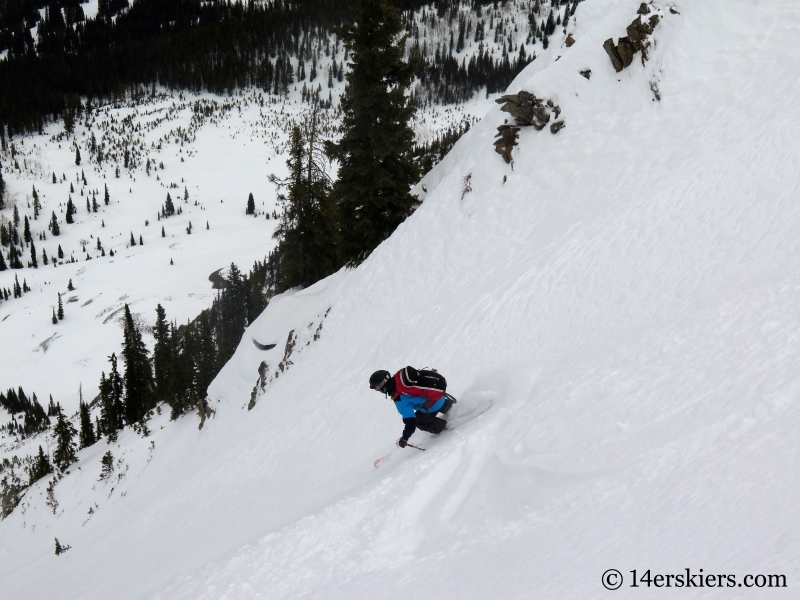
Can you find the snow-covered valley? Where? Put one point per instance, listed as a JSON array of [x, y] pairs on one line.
[[625, 291]]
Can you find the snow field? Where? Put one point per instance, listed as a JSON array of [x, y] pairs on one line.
[[627, 297]]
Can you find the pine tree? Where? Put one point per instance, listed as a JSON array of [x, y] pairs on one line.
[[163, 233], [107, 465], [64, 434], [138, 376], [251, 205], [37, 206], [376, 166], [70, 211], [133, 240], [13, 258], [87, 435], [77, 156], [26, 231], [54, 228], [169, 207], [106, 197], [60, 312], [34, 262], [16, 216], [55, 319], [3, 266], [40, 468], [2, 190], [45, 259], [70, 287], [306, 251], [161, 354], [111, 407], [61, 253], [232, 314]]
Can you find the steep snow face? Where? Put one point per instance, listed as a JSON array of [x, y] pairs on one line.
[[626, 295]]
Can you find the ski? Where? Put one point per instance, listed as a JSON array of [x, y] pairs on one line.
[[457, 422]]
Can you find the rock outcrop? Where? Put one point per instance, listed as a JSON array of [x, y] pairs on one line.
[[506, 140], [637, 40], [528, 111]]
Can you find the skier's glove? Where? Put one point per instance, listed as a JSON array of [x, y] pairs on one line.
[[402, 442]]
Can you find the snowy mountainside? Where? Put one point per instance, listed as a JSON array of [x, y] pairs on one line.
[[626, 294], [200, 149]]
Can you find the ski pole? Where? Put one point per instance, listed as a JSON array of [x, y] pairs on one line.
[[413, 446]]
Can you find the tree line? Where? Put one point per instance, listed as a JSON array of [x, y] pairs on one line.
[[213, 45]]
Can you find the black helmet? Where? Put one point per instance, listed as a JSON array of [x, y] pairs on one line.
[[379, 379]]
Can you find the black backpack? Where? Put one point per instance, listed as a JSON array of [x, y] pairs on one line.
[[427, 383]]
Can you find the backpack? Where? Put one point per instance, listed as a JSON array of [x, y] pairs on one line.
[[420, 382]]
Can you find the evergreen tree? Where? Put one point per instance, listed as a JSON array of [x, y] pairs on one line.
[[77, 156], [306, 251], [61, 253], [232, 315], [34, 262], [111, 407], [2, 189], [54, 228], [37, 206], [161, 355], [55, 319], [376, 166], [251, 205], [52, 408], [3, 266], [107, 463], [64, 434], [87, 436], [138, 376], [70, 211], [41, 467], [60, 312], [106, 197], [26, 231], [70, 287], [169, 207], [205, 353], [13, 258], [133, 240], [16, 216]]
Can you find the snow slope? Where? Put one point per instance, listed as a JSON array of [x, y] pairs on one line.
[[626, 295]]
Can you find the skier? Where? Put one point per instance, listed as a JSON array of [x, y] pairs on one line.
[[418, 395]]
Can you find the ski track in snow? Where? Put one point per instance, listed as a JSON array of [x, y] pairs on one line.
[[628, 298]]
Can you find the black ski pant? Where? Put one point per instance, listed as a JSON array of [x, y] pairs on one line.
[[430, 422]]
